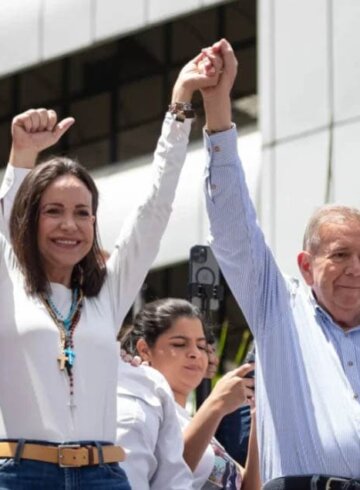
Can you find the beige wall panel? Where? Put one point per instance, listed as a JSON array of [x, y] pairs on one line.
[[346, 42], [67, 26], [346, 167], [113, 17], [301, 68], [162, 9], [19, 34], [299, 187]]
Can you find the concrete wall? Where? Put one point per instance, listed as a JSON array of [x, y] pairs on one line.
[[309, 67], [33, 31]]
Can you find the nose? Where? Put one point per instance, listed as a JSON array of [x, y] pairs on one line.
[[194, 352], [68, 223], [353, 266]]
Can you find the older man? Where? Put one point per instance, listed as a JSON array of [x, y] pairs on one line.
[[307, 339]]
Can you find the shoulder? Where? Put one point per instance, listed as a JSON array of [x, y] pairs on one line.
[[144, 383]]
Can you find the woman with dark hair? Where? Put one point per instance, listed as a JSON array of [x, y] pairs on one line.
[[169, 334], [61, 306]]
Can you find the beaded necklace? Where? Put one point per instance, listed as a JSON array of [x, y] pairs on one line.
[[66, 328]]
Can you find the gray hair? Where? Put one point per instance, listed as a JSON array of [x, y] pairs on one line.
[[330, 213]]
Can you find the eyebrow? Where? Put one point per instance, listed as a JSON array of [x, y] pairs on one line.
[[184, 337], [61, 205]]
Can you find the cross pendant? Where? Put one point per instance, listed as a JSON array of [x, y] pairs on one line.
[[70, 356], [62, 359]]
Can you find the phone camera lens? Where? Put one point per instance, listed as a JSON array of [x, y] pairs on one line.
[[199, 255]]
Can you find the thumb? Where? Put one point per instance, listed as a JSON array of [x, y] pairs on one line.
[[230, 61], [61, 128]]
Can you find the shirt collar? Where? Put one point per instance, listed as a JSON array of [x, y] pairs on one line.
[[326, 318]]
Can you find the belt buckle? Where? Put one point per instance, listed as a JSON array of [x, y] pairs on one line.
[[334, 479], [60, 448]]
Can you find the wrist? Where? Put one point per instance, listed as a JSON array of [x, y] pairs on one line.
[[216, 406], [22, 158], [218, 115], [181, 94], [213, 129]]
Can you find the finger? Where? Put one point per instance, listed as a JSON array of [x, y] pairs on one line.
[[198, 58], [208, 64], [62, 127], [244, 369], [136, 361], [215, 60], [205, 67], [249, 393], [52, 119], [43, 116], [216, 47], [207, 50], [252, 404], [230, 61], [249, 383], [123, 355], [127, 357], [35, 120], [22, 121]]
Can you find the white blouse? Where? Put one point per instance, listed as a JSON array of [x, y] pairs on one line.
[[148, 430], [34, 393]]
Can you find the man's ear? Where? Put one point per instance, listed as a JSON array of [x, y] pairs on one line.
[[143, 350], [304, 261]]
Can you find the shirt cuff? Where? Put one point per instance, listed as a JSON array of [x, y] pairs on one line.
[[11, 176], [221, 147]]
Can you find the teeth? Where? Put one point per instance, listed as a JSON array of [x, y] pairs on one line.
[[66, 242]]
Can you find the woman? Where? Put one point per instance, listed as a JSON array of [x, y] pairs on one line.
[[169, 335], [61, 306]]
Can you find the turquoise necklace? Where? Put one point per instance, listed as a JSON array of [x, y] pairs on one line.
[[66, 321], [66, 328]]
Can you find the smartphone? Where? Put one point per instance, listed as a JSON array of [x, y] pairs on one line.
[[204, 278], [250, 357]]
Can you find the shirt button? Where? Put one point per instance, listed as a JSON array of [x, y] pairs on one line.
[[217, 148], [356, 396], [213, 186], [350, 363]]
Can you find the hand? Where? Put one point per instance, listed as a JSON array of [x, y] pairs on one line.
[[34, 131], [201, 72], [233, 390], [228, 72], [132, 360], [216, 98]]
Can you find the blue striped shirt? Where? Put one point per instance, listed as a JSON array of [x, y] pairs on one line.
[[307, 371]]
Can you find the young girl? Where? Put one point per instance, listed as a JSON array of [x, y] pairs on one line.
[[169, 335]]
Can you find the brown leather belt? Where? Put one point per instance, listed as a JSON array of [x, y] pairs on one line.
[[65, 455]]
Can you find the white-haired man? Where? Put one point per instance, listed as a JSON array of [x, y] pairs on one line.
[[307, 339]]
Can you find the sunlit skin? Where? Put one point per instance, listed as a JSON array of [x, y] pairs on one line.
[[180, 354], [65, 227], [213, 363], [334, 272]]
